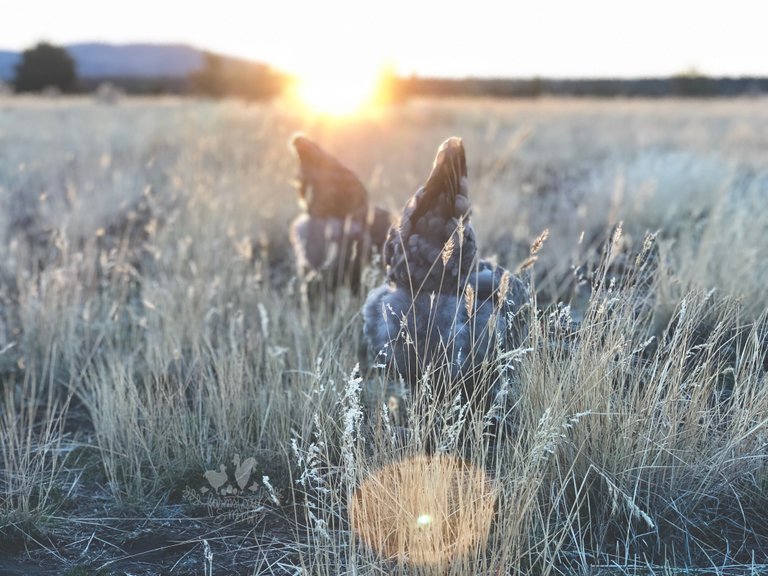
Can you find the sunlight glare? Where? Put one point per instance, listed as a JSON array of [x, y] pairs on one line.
[[337, 92]]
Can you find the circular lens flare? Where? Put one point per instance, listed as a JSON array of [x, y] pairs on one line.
[[424, 510]]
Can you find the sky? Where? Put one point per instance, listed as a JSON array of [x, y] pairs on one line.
[[566, 38]]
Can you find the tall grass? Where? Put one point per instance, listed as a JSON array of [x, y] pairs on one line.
[[34, 451], [631, 440]]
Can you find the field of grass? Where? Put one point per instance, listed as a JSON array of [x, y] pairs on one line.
[[171, 402]]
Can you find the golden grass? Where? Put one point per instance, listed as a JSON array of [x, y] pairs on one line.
[[632, 440]]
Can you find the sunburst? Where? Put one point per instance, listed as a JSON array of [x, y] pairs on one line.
[[337, 91]]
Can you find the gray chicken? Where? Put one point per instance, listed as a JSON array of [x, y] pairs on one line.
[[336, 235], [442, 308]]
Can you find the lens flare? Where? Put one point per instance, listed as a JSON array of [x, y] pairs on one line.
[[424, 510], [424, 520]]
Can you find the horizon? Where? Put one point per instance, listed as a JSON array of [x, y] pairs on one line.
[[159, 43], [548, 40]]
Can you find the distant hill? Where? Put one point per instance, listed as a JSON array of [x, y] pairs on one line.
[[8, 62], [135, 60], [100, 60]]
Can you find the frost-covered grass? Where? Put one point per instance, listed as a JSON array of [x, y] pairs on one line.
[[152, 331]]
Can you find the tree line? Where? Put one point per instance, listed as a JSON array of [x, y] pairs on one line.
[[46, 66]]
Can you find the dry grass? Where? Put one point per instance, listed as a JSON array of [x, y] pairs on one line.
[[140, 347]]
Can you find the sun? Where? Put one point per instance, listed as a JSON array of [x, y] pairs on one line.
[[337, 92]]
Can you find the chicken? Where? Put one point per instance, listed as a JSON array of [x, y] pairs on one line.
[[442, 308], [336, 235]]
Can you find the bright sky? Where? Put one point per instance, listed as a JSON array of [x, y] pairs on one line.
[[475, 37]]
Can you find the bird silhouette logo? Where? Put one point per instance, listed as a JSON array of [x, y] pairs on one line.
[[243, 470], [216, 479], [221, 482]]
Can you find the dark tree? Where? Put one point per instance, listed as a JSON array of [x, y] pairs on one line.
[[45, 66], [226, 76], [210, 81]]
